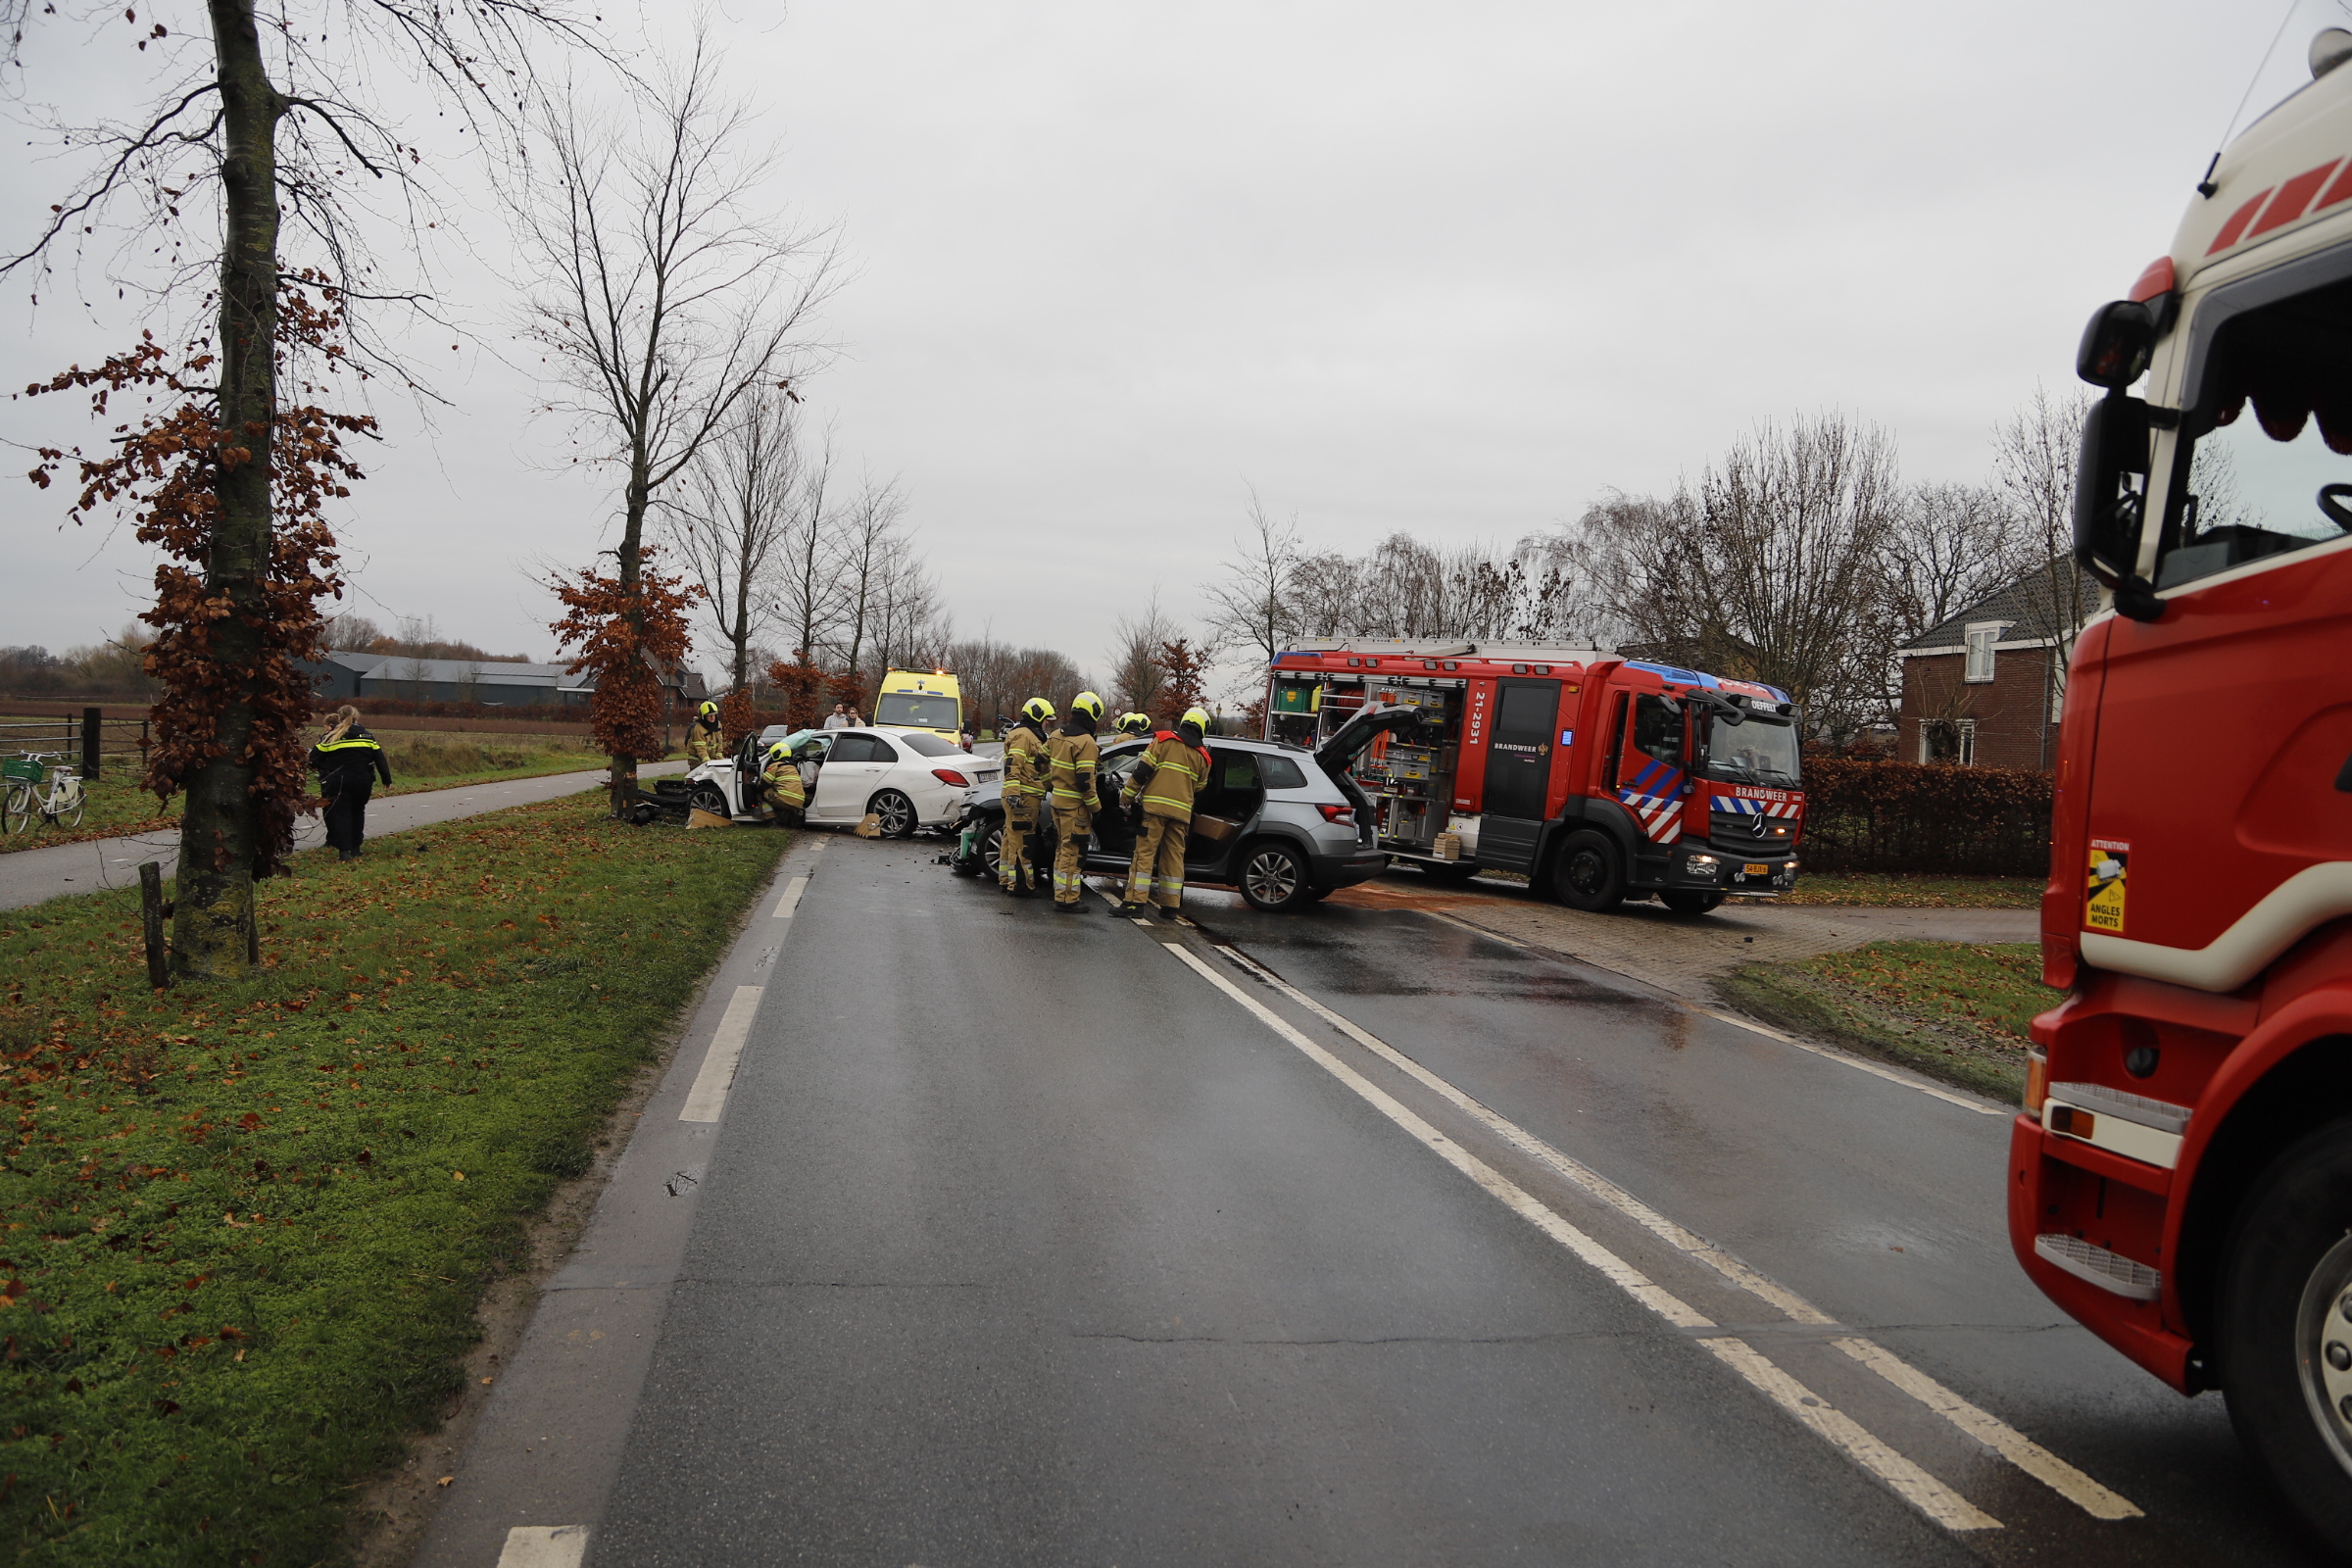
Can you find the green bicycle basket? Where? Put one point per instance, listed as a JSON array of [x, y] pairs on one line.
[[28, 770]]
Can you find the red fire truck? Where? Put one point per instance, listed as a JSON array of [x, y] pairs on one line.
[[1600, 778], [2182, 1179]]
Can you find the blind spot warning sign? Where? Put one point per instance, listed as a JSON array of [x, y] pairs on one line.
[[2103, 899]]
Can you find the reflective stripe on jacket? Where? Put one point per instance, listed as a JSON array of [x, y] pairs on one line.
[[355, 757], [783, 776], [1178, 775], [1072, 759], [1025, 763]]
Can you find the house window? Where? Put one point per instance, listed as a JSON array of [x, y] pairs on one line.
[[1980, 650], [1950, 741]]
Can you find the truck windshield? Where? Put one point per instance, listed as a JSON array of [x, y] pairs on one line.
[[2267, 471], [1761, 750]]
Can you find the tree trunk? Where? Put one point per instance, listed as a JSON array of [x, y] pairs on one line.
[[623, 784], [212, 925]]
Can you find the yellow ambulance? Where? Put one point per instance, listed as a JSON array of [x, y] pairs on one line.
[[921, 699]]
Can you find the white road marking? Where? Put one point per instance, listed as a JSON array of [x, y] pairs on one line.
[[1855, 1062], [1987, 1428], [544, 1547], [717, 1074], [1907, 1480], [1991, 1431], [792, 897]]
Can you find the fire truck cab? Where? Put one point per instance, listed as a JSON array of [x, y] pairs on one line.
[[2182, 1179], [1598, 778]]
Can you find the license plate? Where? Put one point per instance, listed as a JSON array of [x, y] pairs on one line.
[[1752, 869]]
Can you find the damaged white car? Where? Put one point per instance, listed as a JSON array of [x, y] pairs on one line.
[[907, 779]]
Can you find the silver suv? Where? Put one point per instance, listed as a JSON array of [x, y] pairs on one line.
[[1283, 825]]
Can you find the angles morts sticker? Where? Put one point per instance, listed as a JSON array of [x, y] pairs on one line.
[[2103, 897]]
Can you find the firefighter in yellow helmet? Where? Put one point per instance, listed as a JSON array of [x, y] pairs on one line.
[[1026, 778], [706, 737], [1159, 792], [782, 776], [1138, 725], [1073, 753]]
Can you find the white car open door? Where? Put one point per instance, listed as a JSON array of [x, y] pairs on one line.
[[852, 771]]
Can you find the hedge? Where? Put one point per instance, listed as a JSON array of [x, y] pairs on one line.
[[1913, 816]]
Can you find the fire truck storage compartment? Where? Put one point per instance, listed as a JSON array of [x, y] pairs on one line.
[[1409, 776]]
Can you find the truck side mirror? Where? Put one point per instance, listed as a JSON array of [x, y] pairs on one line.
[[2108, 501], [2117, 345]]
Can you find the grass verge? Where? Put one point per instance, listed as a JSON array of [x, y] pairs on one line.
[[247, 1225], [1882, 890], [1953, 1011], [422, 759]]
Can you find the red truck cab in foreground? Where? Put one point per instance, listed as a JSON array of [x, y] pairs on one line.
[[1598, 778], [2182, 1179]]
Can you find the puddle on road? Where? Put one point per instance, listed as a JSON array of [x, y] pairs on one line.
[[1413, 960]]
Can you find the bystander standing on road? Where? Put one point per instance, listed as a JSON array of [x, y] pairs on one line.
[[348, 761]]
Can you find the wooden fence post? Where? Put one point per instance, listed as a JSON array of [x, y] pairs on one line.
[[151, 916], [91, 722]]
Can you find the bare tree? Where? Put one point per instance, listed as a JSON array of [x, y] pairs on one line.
[[732, 516], [1947, 546], [807, 583], [1769, 570], [1249, 606], [1137, 675], [869, 549], [2035, 454], [665, 300]]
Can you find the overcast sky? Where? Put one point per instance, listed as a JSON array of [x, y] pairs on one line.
[[1455, 269]]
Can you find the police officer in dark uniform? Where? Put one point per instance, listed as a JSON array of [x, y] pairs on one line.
[[348, 761]]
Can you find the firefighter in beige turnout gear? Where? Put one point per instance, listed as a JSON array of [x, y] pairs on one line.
[[706, 737], [1026, 779], [785, 792], [1160, 794], [1073, 754]]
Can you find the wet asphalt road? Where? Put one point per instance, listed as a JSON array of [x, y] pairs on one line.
[[1023, 1238]]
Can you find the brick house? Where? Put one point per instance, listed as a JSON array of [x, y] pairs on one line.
[[1984, 688]]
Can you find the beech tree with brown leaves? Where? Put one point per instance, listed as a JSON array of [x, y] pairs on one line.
[[631, 634], [259, 119]]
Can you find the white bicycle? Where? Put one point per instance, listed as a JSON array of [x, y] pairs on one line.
[[24, 774]]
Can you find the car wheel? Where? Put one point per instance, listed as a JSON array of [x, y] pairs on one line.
[[992, 849], [2286, 1328], [1273, 877], [1690, 901], [709, 798], [896, 812], [1586, 873]]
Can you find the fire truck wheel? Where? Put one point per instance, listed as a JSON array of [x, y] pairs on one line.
[[1690, 903], [1586, 873], [2286, 1328]]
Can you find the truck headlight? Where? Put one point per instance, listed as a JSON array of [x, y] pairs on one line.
[[1705, 866]]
